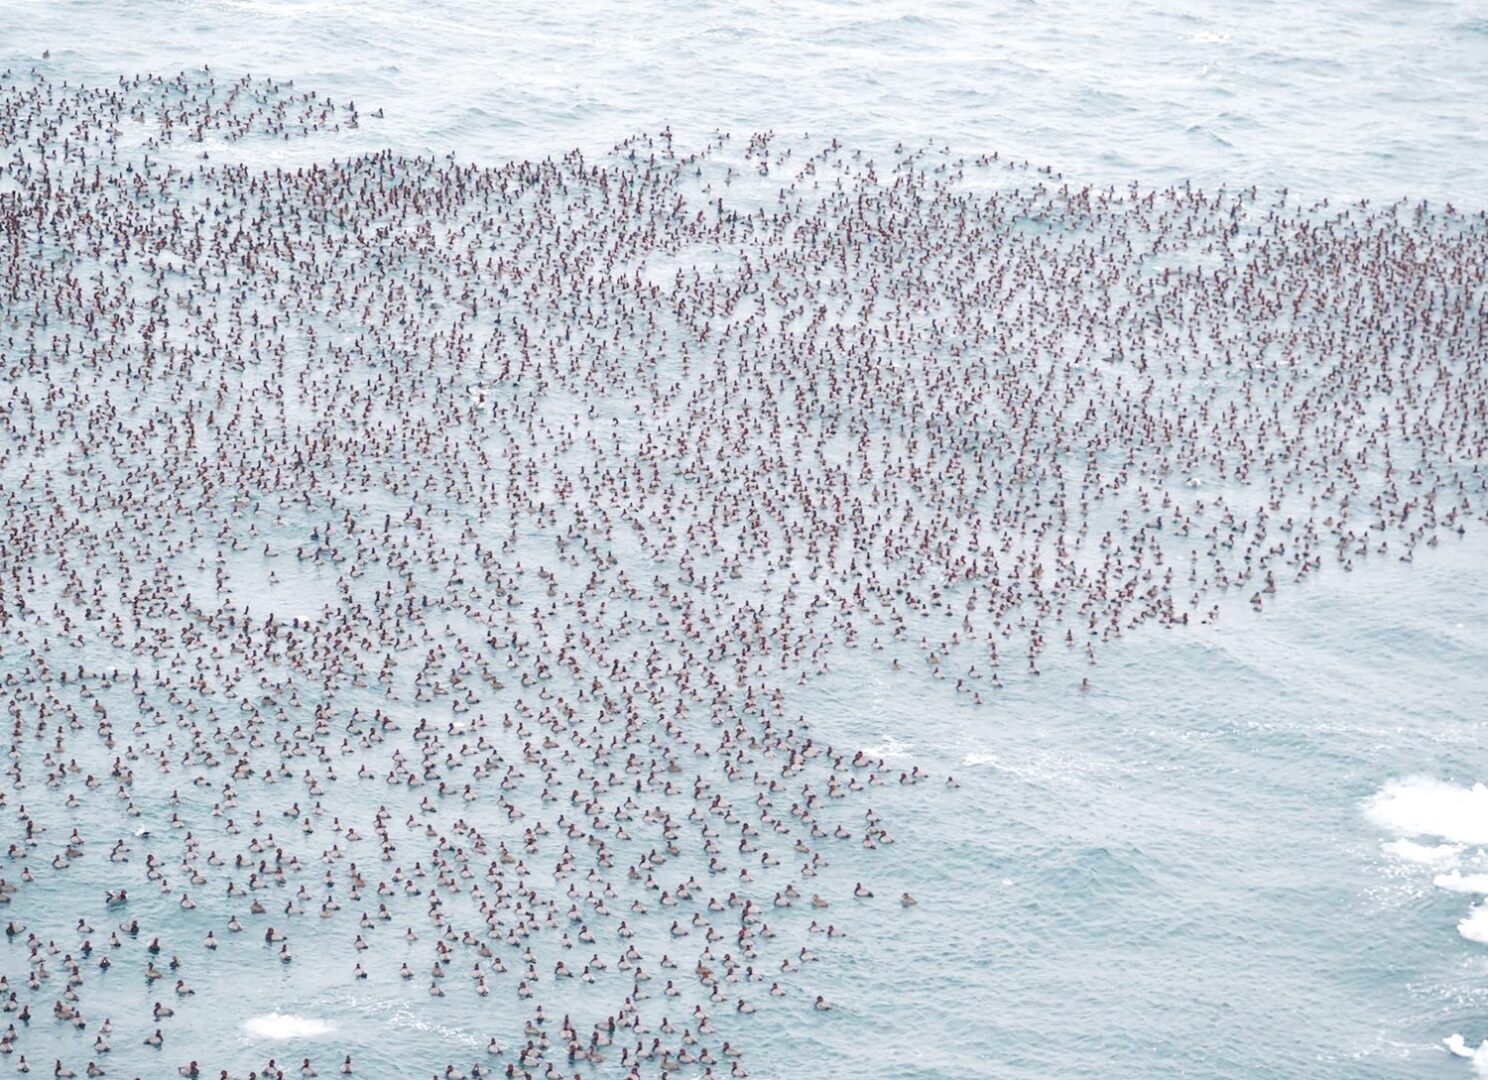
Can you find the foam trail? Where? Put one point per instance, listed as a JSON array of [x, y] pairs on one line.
[[1479, 1057], [890, 748], [282, 1026], [1475, 926], [1456, 881], [1423, 806], [1433, 855]]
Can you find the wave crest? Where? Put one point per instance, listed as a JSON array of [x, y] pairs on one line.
[[1423, 806], [276, 1025]]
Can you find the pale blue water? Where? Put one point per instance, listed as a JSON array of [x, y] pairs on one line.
[[1175, 874], [1334, 98]]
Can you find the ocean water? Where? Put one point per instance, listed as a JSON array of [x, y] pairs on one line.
[[1252, 848], [1379, 99]]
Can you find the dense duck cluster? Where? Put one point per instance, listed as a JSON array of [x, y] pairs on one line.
[[425, 556]]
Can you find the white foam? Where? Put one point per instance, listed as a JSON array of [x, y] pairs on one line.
[[1479, 1057], [1475, 926], [891, 748], [281, 1026], [1456, 881], [979, 759], [1427, 855], [1423, 806]]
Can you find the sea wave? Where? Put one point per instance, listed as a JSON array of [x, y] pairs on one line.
[[1423, 806], [277, 1025]]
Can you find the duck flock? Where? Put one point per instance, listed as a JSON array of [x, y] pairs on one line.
[[409, 569]]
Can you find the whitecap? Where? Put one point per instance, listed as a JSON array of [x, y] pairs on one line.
[[1475, 926], [1479, 1057], [1427, 855], [1456, 881], [979, 759], [891, 748], [282, 1026], [1423, 806]]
